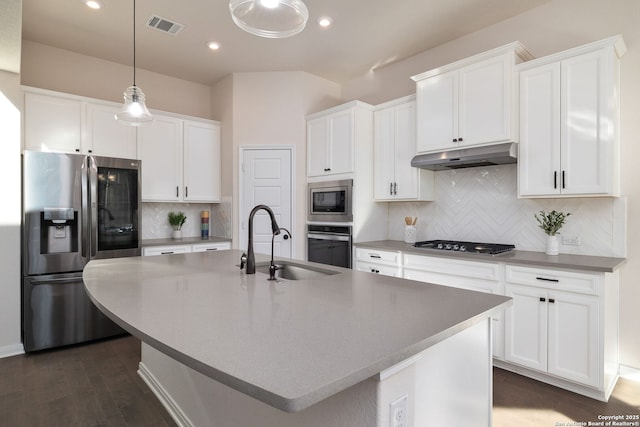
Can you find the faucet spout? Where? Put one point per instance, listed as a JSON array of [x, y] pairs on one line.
[[251, 259]]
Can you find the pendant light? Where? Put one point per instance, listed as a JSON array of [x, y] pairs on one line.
[[270, 18], [134, 111]]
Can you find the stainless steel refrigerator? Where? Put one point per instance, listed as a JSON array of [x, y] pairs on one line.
[[75, 208]]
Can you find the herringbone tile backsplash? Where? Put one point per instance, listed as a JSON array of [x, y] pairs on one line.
[[481, 204]]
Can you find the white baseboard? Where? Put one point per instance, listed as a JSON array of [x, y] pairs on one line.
[[630, 373], [11, 350], [165, 399]]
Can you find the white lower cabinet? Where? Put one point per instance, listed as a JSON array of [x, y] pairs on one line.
[[187, 248], [564, 323], [471, 275], [376, 261]]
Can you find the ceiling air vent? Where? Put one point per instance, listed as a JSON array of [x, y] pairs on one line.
[[164, 25]]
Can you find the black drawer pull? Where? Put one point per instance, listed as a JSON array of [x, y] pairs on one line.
[[542, 299], [374, 256], [166, 253], [212, 249], [551, 300], [544, 279]]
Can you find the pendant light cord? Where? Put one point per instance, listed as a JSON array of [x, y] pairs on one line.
[[134, 42]]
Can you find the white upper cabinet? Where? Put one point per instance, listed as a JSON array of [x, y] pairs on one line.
[[52, 123], [469, 102], [394, 147], [106, 136], [332, 136], [70, 124], [160, 149], [569, 122], [180, 160], [201, 161]]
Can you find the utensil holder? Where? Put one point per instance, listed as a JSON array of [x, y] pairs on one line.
[[410, 234]]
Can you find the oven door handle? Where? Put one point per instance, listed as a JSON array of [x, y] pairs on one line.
[[339, 237]]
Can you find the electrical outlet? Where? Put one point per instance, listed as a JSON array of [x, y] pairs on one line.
[[398, 412], [571, 240]]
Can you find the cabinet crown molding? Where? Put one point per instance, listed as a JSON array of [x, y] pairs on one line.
[[616, 43], [521, 54]]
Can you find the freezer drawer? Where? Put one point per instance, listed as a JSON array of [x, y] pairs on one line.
[[57, 312]]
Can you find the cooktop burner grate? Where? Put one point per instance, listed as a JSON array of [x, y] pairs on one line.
[[471, 247]]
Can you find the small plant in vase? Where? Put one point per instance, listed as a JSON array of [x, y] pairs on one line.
[[551, 223], [177, 220]]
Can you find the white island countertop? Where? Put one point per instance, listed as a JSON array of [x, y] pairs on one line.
[[289, 344]]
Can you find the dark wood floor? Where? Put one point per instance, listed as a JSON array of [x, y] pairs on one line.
[[88, 385], [97, 385]]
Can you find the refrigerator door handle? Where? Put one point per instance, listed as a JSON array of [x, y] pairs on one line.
[[93, 205], [84, 203], [36, 282]]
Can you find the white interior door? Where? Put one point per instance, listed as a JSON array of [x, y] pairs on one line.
[[266, 179]]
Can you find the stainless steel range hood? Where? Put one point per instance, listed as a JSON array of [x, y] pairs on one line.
[[488, 155]]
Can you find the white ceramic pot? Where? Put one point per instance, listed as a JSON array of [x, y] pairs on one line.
[[176, 234], [552, 245], [410, 234]]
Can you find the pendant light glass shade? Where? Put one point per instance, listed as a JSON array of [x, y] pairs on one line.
[[270, 18], [134, 111]]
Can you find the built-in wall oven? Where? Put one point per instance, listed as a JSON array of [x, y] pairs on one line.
[[329, 244], [330, 201]]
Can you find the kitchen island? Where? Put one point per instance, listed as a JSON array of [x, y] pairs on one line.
[[224, 348]]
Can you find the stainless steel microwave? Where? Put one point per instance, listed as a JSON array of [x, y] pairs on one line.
[[331, 201]]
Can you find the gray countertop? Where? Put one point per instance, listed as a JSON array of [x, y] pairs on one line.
[[289, 344], [573, 262], [183, 241]]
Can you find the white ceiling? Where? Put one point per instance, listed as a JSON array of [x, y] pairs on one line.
[[365, 34]]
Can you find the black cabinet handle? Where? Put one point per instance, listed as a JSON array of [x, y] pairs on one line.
[[391, 188], [374, 256], [395, 188], [166, 253], [551, 300], [177, 191], [563, 180], [186, 192], [77, 150], [455, 139], [542, 299], [460, 139], [544, 279], [555, 179]]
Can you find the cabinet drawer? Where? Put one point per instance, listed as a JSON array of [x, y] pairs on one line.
[[385, 270], [571, 281], [473, 269], [377, 256], [204, 247], [165, 250]]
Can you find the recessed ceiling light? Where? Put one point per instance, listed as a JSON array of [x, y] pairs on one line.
[[325, 21], [214, 45], [93, 4]]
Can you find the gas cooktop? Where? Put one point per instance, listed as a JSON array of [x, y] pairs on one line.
[[471, 247]]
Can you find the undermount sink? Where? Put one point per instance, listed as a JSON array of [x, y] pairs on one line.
[[290, 271]]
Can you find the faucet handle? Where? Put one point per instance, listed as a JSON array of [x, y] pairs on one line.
[[243, 260]]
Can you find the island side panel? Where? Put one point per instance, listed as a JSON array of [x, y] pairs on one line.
[[454, 380]]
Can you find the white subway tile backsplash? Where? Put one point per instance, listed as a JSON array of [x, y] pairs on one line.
[[481, 204], [155, 224]]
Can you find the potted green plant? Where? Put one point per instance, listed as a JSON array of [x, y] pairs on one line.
[[551, 223], [177, 220]]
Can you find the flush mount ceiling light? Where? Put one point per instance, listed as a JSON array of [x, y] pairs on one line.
[[270, 18], [134, 111]]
